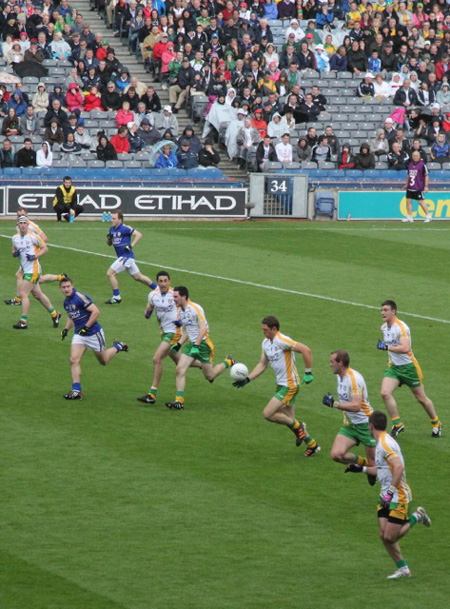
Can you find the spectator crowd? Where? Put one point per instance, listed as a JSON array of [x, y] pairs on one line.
[[226, 52]]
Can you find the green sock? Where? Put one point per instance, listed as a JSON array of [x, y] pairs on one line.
[[397, 421], [153, 391], [24, 318], [401, 563], [179, 396], [294, 425], [310, 442], [413, 520], [51, 310]]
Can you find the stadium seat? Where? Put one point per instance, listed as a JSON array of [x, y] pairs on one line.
[[324, 203], [132, 164], [62, 163], [98, 164], [11, 171], [114, 164], [309, 165]]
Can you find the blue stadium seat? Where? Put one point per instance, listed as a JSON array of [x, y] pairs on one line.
[[353, 173], [324, 203], [11, 171]]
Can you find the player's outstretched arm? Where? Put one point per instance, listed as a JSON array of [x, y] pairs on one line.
[[257, 371]]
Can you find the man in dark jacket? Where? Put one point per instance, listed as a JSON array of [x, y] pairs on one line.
[[189, 135], [356, 59], [397, 159], [55, 111], [405, 96], [26, 157], [187, 159], [178, 91], [207, 156], [111, 100], [148, 133], [265, 153], [364, 159], [365, 87]]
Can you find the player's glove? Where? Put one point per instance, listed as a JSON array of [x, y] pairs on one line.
[[242, 383], [31, 257], [307, 378], [84, 331], [195, 350], [109, 239], [176, 347], [128, 248], [148, 313], [328, 400], [385, 500], [64, 333], [16, 253], [177, 323], [382, 345], [354, 468]]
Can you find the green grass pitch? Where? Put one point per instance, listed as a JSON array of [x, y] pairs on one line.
[[107, 504]]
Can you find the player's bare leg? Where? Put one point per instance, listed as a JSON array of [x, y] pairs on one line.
[[389, 535], [275, 412], [183, 364], [424, 400], [340, 450], [211, 372], [388, 386], [45, 302], [48, 278], [76, 353], [143, 279], [104, 357], [112, 276]]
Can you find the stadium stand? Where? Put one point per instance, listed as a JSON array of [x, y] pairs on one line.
[[232, 70]]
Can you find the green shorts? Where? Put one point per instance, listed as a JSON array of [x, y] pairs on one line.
[[206, 353], [31, 277], [359, 433], [408, 374], [170, 337], [286, 394]]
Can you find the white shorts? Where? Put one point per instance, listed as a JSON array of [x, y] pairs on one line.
[[96, 341], [125, 264]]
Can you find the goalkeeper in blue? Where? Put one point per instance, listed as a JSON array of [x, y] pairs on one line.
[[124, 239], [88, 334], [279, 350], [394, 506]]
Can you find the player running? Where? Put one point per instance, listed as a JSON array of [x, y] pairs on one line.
[[35, 230], [356, 409], [88, 334], [279, 350], [28, 247], [417, 180], [161, 300], [403, 369], [120, 236], [199, 347], [394, 519]]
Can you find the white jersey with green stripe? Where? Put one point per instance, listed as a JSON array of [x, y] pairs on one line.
[[165, 309], [353, 384], [28, 244], [282, 359], [386, 450], [191, 317], [392, 336]]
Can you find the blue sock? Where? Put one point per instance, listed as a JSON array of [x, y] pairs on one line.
[[76, 386], [117, 346], [116, 293]]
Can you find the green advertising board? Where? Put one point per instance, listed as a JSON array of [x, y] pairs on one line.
[[389, 205]]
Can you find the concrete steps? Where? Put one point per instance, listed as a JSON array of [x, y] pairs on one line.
[[98, 25]]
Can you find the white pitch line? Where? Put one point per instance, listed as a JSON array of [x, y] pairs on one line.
[[285, 228], [242, 282]]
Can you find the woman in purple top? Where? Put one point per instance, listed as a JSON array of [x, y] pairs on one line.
[[416, 184]]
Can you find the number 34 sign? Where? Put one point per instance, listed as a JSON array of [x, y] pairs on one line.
[[278, 186]]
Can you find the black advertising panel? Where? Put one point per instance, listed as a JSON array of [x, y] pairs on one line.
[[162, 202]]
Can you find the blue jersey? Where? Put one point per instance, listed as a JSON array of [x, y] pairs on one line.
[[121, 238], [76, 305]]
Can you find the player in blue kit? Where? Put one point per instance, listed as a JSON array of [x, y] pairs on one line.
[[123, 238], [83, 315]]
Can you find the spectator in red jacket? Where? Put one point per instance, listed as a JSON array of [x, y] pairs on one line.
[[120, 141], [74, 99], [442, 66], [93, 100], [124, 115]]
